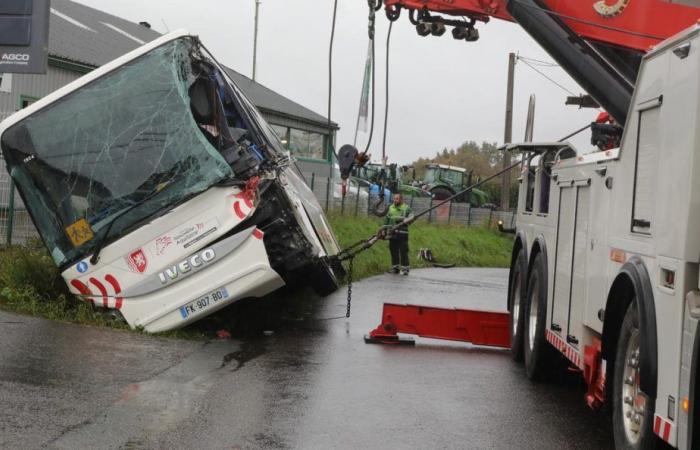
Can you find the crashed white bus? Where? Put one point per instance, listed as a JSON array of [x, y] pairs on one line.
[[161, 192]]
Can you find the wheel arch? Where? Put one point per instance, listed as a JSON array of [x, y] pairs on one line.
[[539, 246], [633, 282], [520, 243]]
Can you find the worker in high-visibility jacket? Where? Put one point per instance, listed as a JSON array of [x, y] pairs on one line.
[[399, 214]]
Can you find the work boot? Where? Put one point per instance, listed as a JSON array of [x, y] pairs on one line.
[[404, 270], [394, 270]]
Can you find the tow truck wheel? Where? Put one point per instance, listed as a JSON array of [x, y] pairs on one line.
[[516, 304], [537, 352], [633, 412]]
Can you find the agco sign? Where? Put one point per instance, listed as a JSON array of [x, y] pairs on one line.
[[186, 266], [15, 57], [610, 10]]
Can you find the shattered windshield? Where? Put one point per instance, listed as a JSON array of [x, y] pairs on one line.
[[129, 139]]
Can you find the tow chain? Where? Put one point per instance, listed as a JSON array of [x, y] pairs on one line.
[[350, 267]]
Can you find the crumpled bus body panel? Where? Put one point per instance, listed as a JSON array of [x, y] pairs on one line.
[[161, 192]]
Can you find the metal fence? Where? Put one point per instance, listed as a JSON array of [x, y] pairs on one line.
[[359, 202], [16, 226]]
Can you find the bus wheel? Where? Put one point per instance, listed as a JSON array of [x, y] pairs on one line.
[[516, 305], [537, 352], [633, 411]]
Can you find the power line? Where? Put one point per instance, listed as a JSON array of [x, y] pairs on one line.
[[548, 78], [538, 62]]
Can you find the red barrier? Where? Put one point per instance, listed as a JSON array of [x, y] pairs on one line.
[[464, 325]]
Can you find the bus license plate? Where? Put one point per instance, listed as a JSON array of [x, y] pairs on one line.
[[203, 302]]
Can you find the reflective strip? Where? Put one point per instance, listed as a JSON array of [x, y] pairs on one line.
[[571, 353], [664, 429]]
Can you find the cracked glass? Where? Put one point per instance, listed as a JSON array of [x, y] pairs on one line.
[[121, 149]]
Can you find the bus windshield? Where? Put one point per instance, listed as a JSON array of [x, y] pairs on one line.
[[126, 147]]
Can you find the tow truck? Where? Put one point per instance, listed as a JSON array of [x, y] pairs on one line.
[[605, 267], [161, 193]]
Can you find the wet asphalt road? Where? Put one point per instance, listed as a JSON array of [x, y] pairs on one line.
[[313, 384]]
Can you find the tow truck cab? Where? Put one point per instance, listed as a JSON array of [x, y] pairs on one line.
[[161, 192]]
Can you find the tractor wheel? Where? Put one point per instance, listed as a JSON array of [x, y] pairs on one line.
[[539, 355], [516, 304], [633, 412], [441, 193]]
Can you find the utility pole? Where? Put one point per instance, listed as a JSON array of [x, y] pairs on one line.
[[255, 38], [508, 135]]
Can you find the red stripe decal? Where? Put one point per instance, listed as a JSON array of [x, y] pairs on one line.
[[117, 289], [237, 210], [258, 234], [80, 286], [83, 289], [102, 290], [667, 431], [246, 199], [657, 425]]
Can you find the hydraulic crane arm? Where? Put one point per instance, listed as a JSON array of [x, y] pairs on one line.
[[598, 42]]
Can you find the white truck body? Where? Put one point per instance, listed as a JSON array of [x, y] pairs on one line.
[[602, 216]]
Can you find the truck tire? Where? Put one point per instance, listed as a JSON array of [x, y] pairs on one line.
[[636, 431], [537, 352], [441, 193], [516, 304], [323, 279]]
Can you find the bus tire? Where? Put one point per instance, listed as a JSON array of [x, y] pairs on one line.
[[516, 304], [633, 411], [537, 352]]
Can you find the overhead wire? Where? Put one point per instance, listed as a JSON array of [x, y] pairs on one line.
[[330, 77], [538, 62], [386, 101], [547, 77]]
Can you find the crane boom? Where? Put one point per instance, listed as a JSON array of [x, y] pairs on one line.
[[598, 42]]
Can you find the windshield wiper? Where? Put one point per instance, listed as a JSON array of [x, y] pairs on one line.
[[103, 238]]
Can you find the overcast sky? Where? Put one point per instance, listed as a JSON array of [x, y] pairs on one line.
[[442, 91]]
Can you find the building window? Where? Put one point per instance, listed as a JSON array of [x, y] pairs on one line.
[[282, 133], [25, 100], [306, 144], [6, 82]]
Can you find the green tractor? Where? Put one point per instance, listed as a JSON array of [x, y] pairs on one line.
[[444, 181], [392, 178]]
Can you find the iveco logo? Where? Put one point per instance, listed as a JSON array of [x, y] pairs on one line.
[[604, 9], [15, 57], [187, 265]]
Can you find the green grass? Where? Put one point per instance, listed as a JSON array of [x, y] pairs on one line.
[[450, 244], [30, 283]]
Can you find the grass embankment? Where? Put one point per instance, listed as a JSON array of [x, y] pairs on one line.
[[450, 244], [31, 284]]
